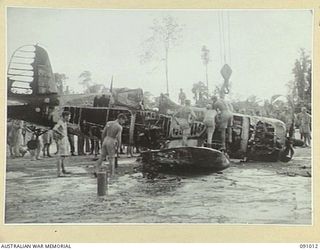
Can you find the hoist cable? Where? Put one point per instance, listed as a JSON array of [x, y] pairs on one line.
[[223, 37], [220, 37], [229, 39]]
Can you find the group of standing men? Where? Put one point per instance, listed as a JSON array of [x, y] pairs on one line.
[[111, 140], [17, 135], [217, 116]]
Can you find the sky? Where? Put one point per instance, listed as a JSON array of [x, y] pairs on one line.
[[261, 46]]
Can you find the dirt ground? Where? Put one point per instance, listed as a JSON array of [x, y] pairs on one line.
[[245, 193]]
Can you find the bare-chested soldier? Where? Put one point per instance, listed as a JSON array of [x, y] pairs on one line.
[[111, 140], [224, 118], [183, 118]]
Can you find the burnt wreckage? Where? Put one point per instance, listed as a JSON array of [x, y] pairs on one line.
[[253, 138], [32, 97]]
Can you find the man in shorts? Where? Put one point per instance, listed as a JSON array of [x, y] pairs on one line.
[[210, 122], [60, 132], [223, 119], [47, 138], [184, 117], [111, 140]]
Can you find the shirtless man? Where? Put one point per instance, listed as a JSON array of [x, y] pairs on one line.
[[183, 118], [224, 119], [210, 122], [111, 140]]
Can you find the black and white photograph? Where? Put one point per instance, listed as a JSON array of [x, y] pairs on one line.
[[159, 116]]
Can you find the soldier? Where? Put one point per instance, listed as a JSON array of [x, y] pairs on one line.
[[16, 135], [111, 140], [95, 101], [35, 145], [183, 118], [163, 104], [81, 137], [304, 121], [71, 142], [61, 133], [95, 134], [103, 101], [224, 118], [47, 140], [209, 121], [10, 137]]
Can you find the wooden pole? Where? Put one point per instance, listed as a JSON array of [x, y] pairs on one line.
[[167, 69], [101, 183]]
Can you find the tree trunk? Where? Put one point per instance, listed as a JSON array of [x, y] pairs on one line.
[[167, 70]]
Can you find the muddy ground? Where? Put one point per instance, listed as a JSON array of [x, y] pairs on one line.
[[245, 193]]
